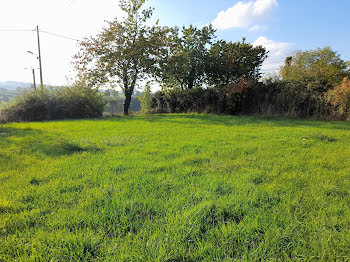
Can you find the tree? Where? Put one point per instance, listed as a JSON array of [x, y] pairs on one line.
[[319, 69], [184, 66], [124, 52], [230, 62]]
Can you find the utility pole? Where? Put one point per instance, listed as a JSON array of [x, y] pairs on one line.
[[39, 57], [33, 71]]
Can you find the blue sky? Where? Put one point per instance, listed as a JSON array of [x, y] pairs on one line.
[[282, 26], [307, 23], [299, 24]]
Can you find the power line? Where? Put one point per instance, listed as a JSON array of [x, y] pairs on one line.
[[14, 30], [62, 36], [46, 32]]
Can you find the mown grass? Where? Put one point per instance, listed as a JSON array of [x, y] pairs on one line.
[[175, 188]]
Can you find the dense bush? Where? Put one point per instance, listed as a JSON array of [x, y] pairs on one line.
[[339, 97], [54, 103], [228, 99], [190, 100], [282, 98]]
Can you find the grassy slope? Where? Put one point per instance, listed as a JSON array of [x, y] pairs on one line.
[[7, 94], [175, 188]]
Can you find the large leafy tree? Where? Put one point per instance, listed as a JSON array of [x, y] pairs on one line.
[[184, 66], [229, 62], [319, 69], [124, 52]]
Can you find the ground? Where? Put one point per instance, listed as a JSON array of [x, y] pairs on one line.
[[175, 188]]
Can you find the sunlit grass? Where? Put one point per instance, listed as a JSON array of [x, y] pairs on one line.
[[175, 188]]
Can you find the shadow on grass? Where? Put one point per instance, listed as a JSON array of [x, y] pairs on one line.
[[231, 120], [61, 147], [8, 133], [35, 141]]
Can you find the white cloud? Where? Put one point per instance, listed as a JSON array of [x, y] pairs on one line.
[[257, 28], [278, 51], [244, 14]]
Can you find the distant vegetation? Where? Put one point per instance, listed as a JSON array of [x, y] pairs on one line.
[[114, 102], [6, 95], [13, 85]]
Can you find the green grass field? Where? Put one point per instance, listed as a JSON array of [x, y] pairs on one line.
[[175, 188]]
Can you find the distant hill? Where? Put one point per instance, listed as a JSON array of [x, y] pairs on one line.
[[13, 85]]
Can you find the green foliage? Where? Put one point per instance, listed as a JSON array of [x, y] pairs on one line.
[[288, 99], [189, 100], [184, 66], [175, 188], [146, 99], [124, 52], [228, 62], [130, 50], [339, 97], [228, 99], [280, 98], [76, 101], [320, 69]]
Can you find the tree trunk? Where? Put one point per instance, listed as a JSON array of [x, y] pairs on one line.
[[128, 90], [127, 102], [190, 85], [190, 82]]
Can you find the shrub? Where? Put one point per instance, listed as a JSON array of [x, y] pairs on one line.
[[281, 98], [235, 94], [339, 97], [286, 98], [146, 99], [75, 101], [186, 101]]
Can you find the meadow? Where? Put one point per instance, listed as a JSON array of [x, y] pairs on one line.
[[182, 187]]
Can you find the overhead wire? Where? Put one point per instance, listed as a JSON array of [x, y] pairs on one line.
[[62, 36], [15, 30], [42, 31]]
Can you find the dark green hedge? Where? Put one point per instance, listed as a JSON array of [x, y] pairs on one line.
[[291, 99]]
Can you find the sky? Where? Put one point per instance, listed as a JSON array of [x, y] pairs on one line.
[[282, 26]]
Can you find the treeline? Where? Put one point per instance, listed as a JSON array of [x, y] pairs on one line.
[[311, 84], [198, 73], [128, 52]]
